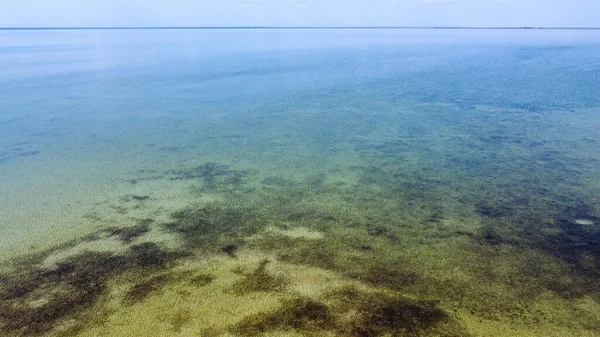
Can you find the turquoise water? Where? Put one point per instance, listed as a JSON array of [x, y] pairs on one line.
[[300, 182]]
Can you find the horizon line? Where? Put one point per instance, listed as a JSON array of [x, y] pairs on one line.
[[299, 27]]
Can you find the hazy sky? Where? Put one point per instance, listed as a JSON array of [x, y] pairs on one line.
[[573, 13]]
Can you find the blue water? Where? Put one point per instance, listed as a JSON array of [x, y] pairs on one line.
[[401, 161]]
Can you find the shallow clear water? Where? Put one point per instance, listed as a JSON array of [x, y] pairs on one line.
[[320, 182]]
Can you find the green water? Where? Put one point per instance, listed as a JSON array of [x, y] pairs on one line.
[[300, 183]]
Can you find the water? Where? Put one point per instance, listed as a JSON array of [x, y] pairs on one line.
[[316, 182]]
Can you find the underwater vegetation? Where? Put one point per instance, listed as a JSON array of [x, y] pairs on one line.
[[379, 314], [352, 312], [155, 283], [230, 249], [260, 279], [211, 175], [420, 250], [201, 280], [150, 254], [143, 289], [34, 299], [299, 314], [213, 226], [128, 234]]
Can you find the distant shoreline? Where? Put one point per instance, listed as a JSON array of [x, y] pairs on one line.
[[297, 27]]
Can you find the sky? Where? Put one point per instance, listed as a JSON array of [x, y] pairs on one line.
[[94, 13]]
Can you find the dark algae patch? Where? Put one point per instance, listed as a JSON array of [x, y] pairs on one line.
[[149, 254], [154, 284], [33, 301], [399, 316], [141, 290], [302, 314], [206, 226], [211, 175], [390, 276], [260, 279], [201, 280], [351, 312], [128, 234], [230, 249]]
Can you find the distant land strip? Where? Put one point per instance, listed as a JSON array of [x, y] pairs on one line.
[[298, 27]]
